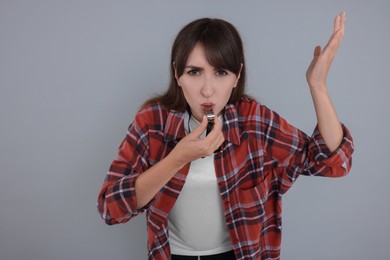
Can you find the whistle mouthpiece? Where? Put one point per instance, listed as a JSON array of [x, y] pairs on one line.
[[210, 116]]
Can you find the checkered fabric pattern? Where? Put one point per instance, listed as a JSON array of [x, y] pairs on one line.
[[259, 161]]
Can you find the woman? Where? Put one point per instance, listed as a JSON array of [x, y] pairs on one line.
[[231, 181]]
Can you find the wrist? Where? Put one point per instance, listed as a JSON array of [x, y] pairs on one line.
[[318, 90], [174, 161]]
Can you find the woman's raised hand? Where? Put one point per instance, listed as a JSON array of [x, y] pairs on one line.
[[318, 70]]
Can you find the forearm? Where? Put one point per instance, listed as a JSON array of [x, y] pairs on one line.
[[150, 182], [327, 119]]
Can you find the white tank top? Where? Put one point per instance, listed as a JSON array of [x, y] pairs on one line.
[[196, 224]]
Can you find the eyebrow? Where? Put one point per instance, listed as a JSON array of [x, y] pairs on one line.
[[193, 67]]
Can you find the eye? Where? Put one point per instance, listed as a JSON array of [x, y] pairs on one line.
[[193, 72], [221, 72]]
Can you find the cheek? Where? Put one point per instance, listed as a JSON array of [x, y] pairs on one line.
[[189, 87], [189, 94], [227, 92], [187, 91]]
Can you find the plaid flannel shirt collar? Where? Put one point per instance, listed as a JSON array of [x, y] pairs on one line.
[[174, 126]]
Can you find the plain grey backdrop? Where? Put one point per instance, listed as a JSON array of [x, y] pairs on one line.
[[74, 73]]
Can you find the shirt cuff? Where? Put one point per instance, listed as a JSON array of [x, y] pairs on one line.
[[320, 153]]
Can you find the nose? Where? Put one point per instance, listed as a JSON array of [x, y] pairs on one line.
[[207, 89]]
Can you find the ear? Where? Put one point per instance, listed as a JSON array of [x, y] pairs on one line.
[[239, 75], [176, 77]]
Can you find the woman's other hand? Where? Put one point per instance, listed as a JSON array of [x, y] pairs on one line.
[[318, 70]]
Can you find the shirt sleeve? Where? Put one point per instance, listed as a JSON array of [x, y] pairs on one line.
[[293, 153], [117, 201]]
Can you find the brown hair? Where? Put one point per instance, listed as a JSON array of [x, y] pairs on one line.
[[223, 47]]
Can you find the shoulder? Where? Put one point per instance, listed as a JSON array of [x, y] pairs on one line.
[[248, 106], [152, 114], [251, 111]]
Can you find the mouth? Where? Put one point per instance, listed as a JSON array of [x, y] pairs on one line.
[[207, 107]]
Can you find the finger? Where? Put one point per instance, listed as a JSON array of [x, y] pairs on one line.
[[336, 24], [217, 123], [333, 44], [343, 18], [338, 32], [317, 51], [342, 25], [213, 143], [218, 141], [334, 41], [340, 21]]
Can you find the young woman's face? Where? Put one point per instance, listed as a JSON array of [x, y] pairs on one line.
[[205, 87]]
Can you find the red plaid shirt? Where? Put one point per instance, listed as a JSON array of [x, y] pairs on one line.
[[261, 158]]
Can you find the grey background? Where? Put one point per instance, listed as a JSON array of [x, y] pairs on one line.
[[74, 73]]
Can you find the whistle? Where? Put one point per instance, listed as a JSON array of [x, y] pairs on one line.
[[210, 121]]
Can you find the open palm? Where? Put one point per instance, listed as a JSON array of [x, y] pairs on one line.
[[319, 67]]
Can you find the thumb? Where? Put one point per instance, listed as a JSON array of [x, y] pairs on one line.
[[200, 129], [317, 51]]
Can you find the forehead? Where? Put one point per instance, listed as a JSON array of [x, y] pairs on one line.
[[198, 56]]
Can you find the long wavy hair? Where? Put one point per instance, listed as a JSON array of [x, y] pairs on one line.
[[223, 47]]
